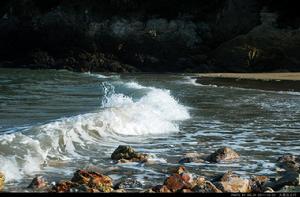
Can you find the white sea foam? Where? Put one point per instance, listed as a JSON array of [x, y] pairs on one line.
[[155, 113]]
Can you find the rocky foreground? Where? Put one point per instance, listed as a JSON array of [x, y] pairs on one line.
[[179, 180]]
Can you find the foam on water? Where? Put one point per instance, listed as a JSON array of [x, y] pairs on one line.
[[119, 116]]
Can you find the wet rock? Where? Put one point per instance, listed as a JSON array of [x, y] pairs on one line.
[[204, 186], [288, 179], [258, 183], [93, 180], [119, 191], [231, 182], [126, 154], [37, 183], [268, 190], [64, 186], [192, 157], [223, 154], [289, 162], [128, 183], [177, 182], [160, 189], [2, 180], [179, 170]]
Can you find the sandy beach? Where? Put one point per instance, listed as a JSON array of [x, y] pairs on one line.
[[290, 76]]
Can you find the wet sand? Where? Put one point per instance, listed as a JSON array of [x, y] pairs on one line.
[[263, 81]]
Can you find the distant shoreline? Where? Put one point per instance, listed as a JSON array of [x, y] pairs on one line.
[[264, 81], [290, 76]]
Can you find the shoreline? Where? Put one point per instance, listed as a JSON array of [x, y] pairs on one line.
[[261, 81], [284, 76]]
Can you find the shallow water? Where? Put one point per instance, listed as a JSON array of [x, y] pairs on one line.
[[54, 122]]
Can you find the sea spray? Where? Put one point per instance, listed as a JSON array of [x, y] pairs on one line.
[[157, 112]]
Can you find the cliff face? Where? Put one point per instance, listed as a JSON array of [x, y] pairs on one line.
[[136, 35]]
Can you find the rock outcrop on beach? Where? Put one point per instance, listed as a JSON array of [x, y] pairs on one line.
[[134, 35]]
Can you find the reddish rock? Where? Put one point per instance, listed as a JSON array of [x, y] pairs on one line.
[[63, 186], [223, 154], [93, 180], [38, 183], [179, 170]]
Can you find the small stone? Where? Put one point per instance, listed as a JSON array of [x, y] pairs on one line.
[[37, 183], [128, 183], [203, 186], [179, 170], [268, 190], [223, 154], [81, 177], [258, 183], [160, 189]]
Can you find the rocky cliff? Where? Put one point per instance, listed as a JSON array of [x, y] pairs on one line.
[[150, 35]]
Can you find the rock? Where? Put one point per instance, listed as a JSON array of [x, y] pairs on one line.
[[288, 179], [186, 191], [230, 182], [204, 186], [179, 170], [128, 183], [93, 180], [223, 154], [258, 183], [160, 189], [192, 157], [119, 191], [128, 154], [2, 180], [268, 190], [63, 186], [177, 182], [37, 183], [289, 162]]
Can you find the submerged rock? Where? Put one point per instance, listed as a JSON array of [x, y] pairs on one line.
[[192, 158], [126, 154], [223, 154], [288, 179], [37, 183], [289, 162], [2, 180], [231, 182]]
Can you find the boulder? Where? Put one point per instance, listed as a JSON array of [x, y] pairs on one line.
[[204, 186], [38, 182], [232, 183], [258, 183], [288, 179], [125, 154], [289, 162], [160, 189], [93, 180], [223, 154]]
